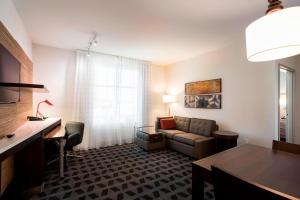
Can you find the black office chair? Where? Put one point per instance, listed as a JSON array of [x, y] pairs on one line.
[[73, 134], [227, 186]]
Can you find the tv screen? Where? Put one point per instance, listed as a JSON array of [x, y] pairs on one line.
[[9, 73]]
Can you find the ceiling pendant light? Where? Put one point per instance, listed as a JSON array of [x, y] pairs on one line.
[[275, 35]]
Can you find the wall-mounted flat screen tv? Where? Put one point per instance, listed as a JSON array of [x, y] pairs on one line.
[[9, 73]]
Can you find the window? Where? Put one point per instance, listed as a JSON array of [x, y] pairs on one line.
[[111, 96]]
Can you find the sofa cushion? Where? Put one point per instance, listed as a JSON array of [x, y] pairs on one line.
[[182, 123], [167, 123], [170, 133], [202, 126], [188, 138]]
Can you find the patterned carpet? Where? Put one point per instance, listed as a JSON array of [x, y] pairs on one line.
[[123, 172]]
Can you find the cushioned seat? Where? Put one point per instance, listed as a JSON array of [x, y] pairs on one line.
[[188, 138], [170, 133]]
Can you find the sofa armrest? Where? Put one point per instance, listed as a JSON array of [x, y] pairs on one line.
[[204, 147]]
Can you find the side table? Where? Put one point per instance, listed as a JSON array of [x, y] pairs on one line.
[[225, 140], [149, 139]]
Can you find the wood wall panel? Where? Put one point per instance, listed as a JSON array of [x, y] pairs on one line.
[[14, 115]]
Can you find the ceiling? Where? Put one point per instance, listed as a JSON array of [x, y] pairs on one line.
[[161, 31]]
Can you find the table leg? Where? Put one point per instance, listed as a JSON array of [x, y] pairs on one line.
[[197, 185], [61, 157]]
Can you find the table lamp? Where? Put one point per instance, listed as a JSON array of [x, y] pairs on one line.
[[38, 113], [169, 99]]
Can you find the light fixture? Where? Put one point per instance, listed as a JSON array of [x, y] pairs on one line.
[[38, 113], [169, 99], [275, 35], [92, 42]]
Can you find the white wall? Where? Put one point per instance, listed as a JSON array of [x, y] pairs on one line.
[[248, 92], [12, 21], [53, 67]]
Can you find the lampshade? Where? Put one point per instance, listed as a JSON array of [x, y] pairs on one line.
[[169, 98], [274, 36]]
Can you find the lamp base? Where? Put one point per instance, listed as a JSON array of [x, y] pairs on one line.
[[32, 118]]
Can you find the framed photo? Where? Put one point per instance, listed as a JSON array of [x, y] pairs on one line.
[[203, 87], [189, 101], [210, 101]]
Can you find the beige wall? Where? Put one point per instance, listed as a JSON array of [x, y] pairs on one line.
[[157, 88], [53, 67], [248, 92]]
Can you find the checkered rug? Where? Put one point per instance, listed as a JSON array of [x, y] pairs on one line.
[[123, 172]]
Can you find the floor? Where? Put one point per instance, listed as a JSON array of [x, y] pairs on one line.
[[123, 172]]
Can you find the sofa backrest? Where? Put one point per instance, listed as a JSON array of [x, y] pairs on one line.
[[182, 123], [203, 127]]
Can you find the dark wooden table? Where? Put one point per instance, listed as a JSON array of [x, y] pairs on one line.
[[276, 170]]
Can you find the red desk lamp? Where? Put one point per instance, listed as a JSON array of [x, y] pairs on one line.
[[38, 113]]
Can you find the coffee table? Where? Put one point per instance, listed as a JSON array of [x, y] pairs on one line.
[[147, 138]]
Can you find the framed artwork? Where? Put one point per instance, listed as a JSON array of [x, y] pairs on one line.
[[189, 101], [203, 87], [212, 101], [209, 101]]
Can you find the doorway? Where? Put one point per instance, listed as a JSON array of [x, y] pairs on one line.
[[286, 96]]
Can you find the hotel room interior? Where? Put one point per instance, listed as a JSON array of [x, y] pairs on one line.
[[141, 100]]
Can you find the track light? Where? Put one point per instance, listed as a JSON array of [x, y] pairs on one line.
[[93, 42]]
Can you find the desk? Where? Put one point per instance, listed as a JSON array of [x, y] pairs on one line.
[[275, 170], [27, 149], [58, 134]]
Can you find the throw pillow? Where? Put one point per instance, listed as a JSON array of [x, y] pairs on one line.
[[167, 124]]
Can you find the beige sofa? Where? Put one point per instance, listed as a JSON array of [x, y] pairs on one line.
[[192, 136]]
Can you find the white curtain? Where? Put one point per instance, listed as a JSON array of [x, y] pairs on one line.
[[110, 97]]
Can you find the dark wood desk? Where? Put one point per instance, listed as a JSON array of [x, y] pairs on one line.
[[26, 148], [270, 169]]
